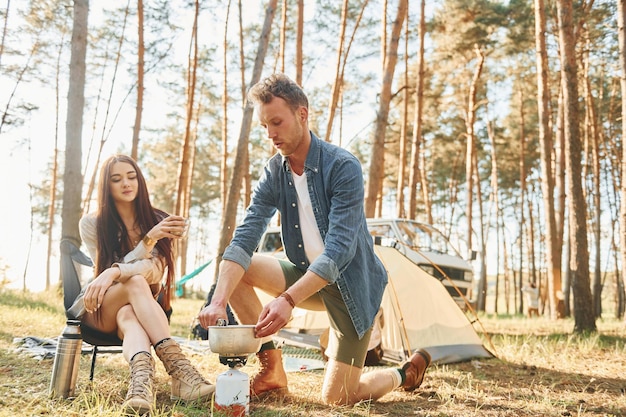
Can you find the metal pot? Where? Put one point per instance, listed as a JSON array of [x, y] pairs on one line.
[[235, 340]]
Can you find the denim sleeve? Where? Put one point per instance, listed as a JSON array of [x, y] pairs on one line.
[[258, 215], [345, 195]]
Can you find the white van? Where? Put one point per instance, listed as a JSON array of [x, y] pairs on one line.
[[421, 243]]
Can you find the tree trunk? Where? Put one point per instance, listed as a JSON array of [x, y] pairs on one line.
[[140, 74], [531, 238], [229, 216], [104, 136], [345, 60], [415, 176], [559, 185], [299, 34], [481, 297], [283, 37], [403, 128], [224, 160], [376, 171], [591, 126], [621, 21], [584, 319], [55, 161], [522, 202], [72, 176], [185, 167], [337, 82], [496, 207], [553, 247], [469, 156]]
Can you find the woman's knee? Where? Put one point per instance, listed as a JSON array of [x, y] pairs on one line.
[[137, 284]]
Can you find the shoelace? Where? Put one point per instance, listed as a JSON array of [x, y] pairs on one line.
[[140, 383], [185, 371]]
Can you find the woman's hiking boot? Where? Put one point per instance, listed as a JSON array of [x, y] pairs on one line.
[[139, 398], [187, 383]]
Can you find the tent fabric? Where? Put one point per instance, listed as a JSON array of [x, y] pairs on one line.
[[418, 313]]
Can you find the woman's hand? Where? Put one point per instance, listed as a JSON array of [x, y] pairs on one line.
[[94, 293], [172, 227]]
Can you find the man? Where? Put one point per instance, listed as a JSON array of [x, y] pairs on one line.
[[318, 189], [532, 299]]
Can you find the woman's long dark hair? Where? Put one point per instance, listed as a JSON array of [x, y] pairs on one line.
[[113, 240]]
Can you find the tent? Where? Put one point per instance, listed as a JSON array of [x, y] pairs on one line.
[[417, 312]]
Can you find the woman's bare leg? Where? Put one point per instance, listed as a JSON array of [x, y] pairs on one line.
[[132, 333], [136, 293]]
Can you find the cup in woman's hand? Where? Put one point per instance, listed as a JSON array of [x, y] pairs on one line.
[[185, 228], [182, 233]]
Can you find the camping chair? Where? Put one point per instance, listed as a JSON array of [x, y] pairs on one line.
[[71, 288], [70, 255]]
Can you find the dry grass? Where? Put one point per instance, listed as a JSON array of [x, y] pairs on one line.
[[541, 370]]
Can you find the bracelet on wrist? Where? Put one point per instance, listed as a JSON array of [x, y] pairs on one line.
[[287, 297], [148, 240]]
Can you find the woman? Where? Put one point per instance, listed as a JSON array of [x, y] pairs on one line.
[[131, 245]]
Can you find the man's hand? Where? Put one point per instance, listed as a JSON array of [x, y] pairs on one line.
[[211, 314], [274, 316]]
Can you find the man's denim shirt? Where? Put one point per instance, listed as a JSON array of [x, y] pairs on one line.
[[335, 182]]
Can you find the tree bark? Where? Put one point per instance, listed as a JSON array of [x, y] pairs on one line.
[[55, 160], [283, 37], [469, 156], [337, 82], [400, 213], [522, 202], [140, 76], [496, 207], [415, 175], [553, 247], [345, 60], [592, 131], [72, 175], [229, 216], [376, 172], [185, 167], [299, 35], [224, 161], [621, 21], [584, 319]]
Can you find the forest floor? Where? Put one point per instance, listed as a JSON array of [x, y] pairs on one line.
[[541, 369]]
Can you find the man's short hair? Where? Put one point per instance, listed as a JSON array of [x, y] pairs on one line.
[[278, 85]]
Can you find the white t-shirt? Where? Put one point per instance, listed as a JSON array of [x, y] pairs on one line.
[[313, 243]]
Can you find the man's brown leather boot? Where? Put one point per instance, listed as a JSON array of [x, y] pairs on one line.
[[415, 369], [271, 378]]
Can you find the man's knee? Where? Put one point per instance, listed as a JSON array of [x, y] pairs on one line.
[[341, 383]]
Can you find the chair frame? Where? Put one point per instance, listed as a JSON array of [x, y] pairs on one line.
[[70, 255]]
